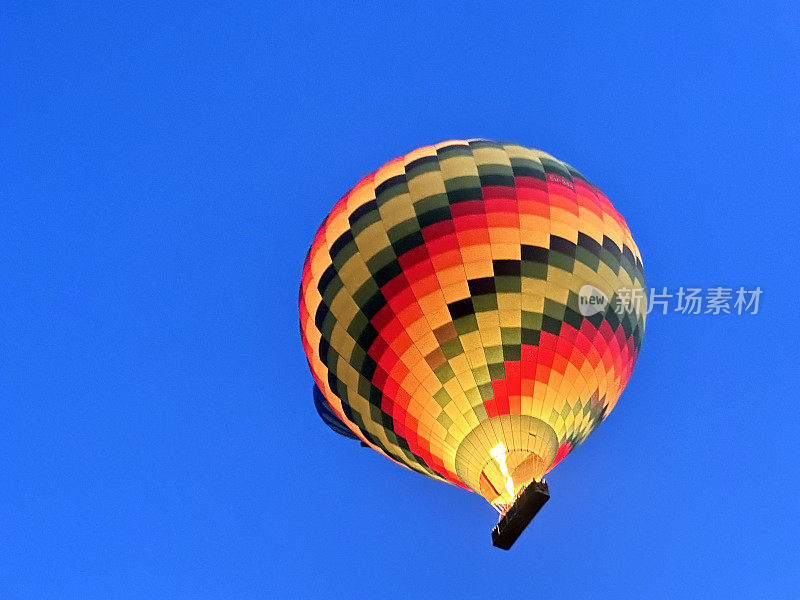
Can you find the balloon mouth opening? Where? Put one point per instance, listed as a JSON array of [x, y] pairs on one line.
[[503, 455], [503, 479]]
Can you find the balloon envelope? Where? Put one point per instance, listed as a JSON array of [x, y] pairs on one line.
[[473, 310]]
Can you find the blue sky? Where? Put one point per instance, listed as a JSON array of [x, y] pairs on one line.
[[162, 172]]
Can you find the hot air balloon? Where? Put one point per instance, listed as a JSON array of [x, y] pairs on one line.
[[445, 316]]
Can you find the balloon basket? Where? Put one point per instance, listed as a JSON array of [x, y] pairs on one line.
[[518, 517]]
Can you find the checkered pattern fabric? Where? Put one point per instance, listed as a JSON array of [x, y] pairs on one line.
[[439, 311]]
